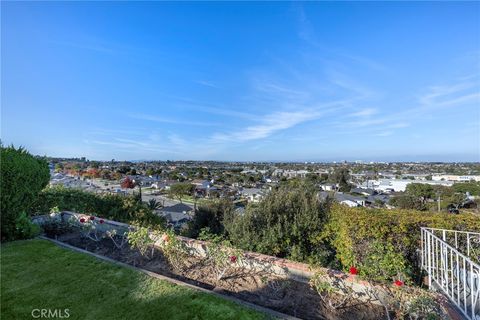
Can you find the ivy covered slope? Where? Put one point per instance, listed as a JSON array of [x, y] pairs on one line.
[[93, 289], [383, 244]]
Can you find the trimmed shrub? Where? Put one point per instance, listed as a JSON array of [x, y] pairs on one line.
[[22, 178]]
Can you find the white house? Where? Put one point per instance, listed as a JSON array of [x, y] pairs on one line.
[[252, 194], [400, 185], [350, 203]]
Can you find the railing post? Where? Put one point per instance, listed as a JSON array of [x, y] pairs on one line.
[[472, 291], [429, 259], [422, 245], [468, 244]]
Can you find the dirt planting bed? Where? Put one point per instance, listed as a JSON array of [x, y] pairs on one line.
[[259, 287]]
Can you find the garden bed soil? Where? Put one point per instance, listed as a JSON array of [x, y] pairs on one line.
[[261, 288]]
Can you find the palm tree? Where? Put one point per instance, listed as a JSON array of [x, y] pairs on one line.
[[154, 204]]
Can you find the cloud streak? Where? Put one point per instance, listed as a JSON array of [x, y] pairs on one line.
[[172, 121], [270, 124]]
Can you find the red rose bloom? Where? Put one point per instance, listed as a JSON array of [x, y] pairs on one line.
[[101, 221], [233, 259], [353, 271], [92, 218], [82, 220], [398, 283]]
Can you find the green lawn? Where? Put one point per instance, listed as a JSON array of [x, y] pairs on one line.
[[37, 274]]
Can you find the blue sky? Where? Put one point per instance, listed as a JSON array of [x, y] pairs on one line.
[[242, 81]]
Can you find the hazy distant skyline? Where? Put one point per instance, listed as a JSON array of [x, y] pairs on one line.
[[373, 81]]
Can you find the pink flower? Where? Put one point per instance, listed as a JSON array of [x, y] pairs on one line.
[[233, 259], [398, 283], [82, 220], [92, 218], [353, 271], [101, 221], [165, 237]]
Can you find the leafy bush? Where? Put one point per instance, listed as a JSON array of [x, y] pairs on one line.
[[472, 187], [210, 215], [381, 261], [288, 223], [114, 207], [54, 228], [180, 190], [141, 240], [25, 228], [406, 201], [22, 178], [385, 242]]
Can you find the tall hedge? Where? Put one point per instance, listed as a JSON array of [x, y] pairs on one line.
[[22, 178], [114, 207], [383, 244]]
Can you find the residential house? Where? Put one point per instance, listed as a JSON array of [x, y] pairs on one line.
[[252, 194], [178, 214], [364, 191]]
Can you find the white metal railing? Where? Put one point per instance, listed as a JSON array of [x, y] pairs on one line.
[[450, 259]]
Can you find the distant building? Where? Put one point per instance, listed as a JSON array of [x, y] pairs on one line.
[[252, 194], [290, 173], [364, 191], [455, 178], [328, 187], [400, 185]]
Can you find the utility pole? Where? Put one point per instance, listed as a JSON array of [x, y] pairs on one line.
[[439, 200]]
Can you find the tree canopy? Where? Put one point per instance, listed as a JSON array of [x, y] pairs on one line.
[[179, 190]]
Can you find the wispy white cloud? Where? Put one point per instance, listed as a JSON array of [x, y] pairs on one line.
[[384, 134], [269, 125], [93, 46], [207, 83], [277, 89], [173, 121], [367, 112], [177, 142], [399, 125], [221, 111], [451, 95], [132, 146]]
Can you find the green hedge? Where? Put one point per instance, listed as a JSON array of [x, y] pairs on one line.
[[22, 178], [114, 207], [383, 244]]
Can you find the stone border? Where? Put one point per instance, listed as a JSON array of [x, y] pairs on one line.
[[261, 309]]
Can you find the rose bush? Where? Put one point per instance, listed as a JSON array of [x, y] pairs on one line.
[[220, 253]]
